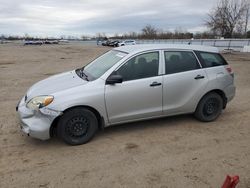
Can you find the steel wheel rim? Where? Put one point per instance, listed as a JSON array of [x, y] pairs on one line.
[[77, 127], [211, 107]]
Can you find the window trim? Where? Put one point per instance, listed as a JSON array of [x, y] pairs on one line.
[[140, 53], [179, 50]]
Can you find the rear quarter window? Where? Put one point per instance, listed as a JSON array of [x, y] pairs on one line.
[[208, 59]]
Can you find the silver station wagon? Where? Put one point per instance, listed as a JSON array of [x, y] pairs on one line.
[[128, 84]]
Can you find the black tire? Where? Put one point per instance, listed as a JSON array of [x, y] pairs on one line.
[[77, 126], [209, 107]]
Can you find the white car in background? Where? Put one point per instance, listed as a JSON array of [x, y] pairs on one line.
[[127, 42]]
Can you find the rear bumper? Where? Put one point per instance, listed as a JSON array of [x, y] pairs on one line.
[[35, 123], [230, 92]]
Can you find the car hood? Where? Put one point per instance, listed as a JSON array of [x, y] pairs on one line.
[[55, 84]]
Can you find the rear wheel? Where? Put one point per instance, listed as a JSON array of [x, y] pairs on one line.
[[209, 107], [77, 126]]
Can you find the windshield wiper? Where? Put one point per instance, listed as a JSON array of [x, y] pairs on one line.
[[82, 74]]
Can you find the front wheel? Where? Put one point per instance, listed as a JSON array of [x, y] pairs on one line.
[[209, 107], [77, 126]]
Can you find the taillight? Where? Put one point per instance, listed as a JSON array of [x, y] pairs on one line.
[[229, 70]]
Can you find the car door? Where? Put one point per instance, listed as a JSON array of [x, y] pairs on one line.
[[139, 96], [183, 82]]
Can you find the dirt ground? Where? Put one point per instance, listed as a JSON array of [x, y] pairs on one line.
[[166, 153]]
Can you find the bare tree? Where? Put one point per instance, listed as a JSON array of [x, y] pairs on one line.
[[247, 16], [227, 17], [133, 35], [149, 31]]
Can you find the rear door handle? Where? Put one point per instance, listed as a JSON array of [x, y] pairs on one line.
[[154, 84], [199, 77]]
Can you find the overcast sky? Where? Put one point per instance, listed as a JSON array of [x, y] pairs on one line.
[[77, 17]]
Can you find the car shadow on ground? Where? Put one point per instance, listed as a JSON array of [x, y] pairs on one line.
[[158, 123], [126, 128]]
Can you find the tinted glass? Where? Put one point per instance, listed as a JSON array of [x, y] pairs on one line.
[[142, 66], [180, 61], [211, 59]]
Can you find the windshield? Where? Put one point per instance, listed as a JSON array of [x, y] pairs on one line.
[[103, 63]]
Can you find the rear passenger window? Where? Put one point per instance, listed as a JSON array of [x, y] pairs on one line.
[[180, 61], [211, 59]]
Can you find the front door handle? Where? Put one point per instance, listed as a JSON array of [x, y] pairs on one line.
[[154, 84], [199, 77]]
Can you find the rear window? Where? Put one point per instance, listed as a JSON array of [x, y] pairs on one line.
[[211, 59]]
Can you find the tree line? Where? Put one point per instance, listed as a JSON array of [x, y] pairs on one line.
[[228, 19]]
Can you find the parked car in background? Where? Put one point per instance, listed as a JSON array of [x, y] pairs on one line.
[[110, 43], [127, 84], [3, 41], [127, 42], [101, 41], [114, 43], [104, 42], [51, 42], [36, 42]]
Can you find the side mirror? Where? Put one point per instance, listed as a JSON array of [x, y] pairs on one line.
[[114, 79]]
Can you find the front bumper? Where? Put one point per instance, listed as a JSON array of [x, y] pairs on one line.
[[36, 123]]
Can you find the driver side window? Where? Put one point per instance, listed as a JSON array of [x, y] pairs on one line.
[[142, 66]]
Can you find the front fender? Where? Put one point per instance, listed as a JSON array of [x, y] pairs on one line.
[[91, 94]]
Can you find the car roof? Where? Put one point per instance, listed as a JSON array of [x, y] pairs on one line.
[[147, 47]]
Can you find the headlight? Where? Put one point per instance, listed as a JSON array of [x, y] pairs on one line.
[[39, 102]]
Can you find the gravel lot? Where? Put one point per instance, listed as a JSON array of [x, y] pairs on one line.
[[166, 153]]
